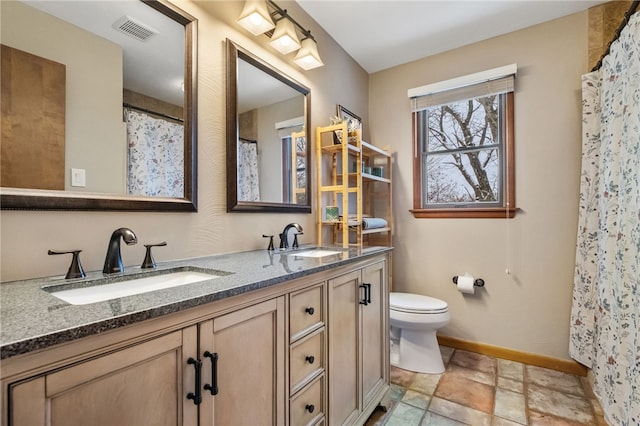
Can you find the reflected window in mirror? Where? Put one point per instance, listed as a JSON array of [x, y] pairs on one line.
[[267, 150], [123, 112], [294, 161]]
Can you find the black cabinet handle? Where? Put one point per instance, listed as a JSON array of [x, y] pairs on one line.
[[310, 359], [213, 387], [364, 300], [310, 408], [310, 310], [368, 292], [197, 396]]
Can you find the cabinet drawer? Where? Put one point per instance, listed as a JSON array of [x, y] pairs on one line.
[[307, 359], [307, 407], [306, 311]]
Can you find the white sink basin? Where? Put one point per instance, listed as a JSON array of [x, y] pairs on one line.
[[315, 253], [130, 287]]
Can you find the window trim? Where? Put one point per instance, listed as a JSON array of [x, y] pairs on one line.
[[507, 211]]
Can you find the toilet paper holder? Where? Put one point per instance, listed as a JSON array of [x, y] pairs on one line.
[[478, 282]]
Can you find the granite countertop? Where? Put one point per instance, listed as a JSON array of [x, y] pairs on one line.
[[32, 318]]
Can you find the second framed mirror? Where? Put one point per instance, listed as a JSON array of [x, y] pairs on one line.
[[268, 150]]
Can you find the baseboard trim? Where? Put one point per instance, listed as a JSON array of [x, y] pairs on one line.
[[566, 366]]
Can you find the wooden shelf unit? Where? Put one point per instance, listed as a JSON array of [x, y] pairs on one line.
[[377, 194], [339, 184], [342, 182]]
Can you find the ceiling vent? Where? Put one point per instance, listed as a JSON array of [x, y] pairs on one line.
[[133, 28]]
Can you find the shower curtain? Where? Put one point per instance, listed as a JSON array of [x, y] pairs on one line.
[[155, 156], [605, 316], [248, 179]]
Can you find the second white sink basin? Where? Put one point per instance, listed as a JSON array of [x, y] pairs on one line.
[[130, 287], [315, 253]]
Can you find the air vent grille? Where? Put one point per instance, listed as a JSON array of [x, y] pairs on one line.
[[134, 28]]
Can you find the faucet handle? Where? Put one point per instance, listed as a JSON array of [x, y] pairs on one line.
[[295, 239], [149, 262], [75, 269], [270, 247]]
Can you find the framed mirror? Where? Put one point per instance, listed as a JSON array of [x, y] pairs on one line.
[[98, 106], [268, 151]]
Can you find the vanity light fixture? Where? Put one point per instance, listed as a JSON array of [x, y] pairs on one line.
[[284, 38], [257, 19], [308, 56]]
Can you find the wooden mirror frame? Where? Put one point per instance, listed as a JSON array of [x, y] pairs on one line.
[[235, 52], [33, 199]]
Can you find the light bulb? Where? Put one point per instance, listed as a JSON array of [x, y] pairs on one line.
[[256, 19]]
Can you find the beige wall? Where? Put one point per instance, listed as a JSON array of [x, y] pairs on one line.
[[527, 310], [26, 236], [93, 105]]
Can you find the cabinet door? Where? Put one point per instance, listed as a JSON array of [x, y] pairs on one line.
[[375, 333], [344, 308], [138, 385], [250, 345]]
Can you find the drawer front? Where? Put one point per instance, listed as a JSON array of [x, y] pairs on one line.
[[307, 407], [306, 311], [307, 359]]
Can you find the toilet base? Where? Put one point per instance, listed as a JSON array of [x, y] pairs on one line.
[[419, 351]]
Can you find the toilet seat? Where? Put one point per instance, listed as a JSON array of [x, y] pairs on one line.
[[416, 304]]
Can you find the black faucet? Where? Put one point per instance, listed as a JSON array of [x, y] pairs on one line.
[[113, 260], [284, 237]]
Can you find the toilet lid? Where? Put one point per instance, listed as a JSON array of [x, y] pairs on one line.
[[416, 303]]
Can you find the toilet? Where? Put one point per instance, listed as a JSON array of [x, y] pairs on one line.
[[414, 320]]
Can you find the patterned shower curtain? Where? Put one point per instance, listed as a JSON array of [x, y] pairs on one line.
[[155, 156], [605, 316], [248, 178]]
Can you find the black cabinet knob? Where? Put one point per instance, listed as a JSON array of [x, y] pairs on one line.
[[310, 359], [310, 408], [310, 310]]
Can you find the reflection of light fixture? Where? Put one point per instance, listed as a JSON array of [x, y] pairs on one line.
[[308, 57], [182, 86], [255, 17], [284, 38]]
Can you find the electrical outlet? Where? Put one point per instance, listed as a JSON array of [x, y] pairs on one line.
[[78, 177]]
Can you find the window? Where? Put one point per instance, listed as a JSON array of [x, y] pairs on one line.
[[463, 147]]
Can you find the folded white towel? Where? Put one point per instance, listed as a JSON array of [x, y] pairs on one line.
[[374, 222]]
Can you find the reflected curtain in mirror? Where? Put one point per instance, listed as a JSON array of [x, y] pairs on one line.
[[155, 156], [248, 174]]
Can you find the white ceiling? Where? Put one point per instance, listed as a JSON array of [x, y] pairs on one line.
[[380, 34]]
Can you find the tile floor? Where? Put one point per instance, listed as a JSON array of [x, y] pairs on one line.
[[479, 390]]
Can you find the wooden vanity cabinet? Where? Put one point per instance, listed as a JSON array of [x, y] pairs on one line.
[[306, 352], [248, 347], [307, 355], [358, 341], [240, 355], [139, 385]]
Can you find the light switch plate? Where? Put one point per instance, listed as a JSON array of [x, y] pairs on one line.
[[78, 177]]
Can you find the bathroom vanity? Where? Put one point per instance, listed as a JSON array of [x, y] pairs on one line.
[[289, 338]]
